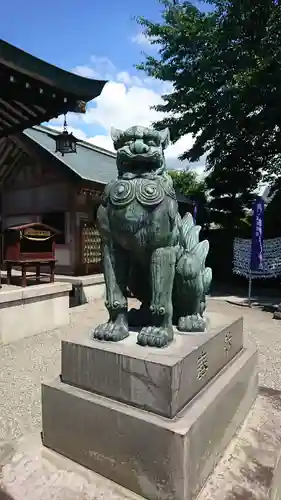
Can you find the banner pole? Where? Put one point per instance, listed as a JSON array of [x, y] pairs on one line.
[[257, 256], [250, 290]]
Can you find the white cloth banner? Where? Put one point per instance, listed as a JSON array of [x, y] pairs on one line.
[[271, 258]]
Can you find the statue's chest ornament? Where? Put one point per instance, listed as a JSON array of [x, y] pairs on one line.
[[145, 191], [148, 192], [122, 192]]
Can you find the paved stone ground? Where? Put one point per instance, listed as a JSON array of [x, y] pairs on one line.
[[27, 363], [31, 472], [248, 468]]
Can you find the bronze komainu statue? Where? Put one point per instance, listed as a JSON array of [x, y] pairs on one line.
[[149, 251]]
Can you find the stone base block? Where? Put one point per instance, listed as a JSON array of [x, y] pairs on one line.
[[85, 288], [156, 457], [33, 310], [159, 380], [275, 490]]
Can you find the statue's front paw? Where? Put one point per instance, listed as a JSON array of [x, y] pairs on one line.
[[153, 336], [192, 323], [111, 332]]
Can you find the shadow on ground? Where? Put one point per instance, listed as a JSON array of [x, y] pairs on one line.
[[263, 298], [5, 496]]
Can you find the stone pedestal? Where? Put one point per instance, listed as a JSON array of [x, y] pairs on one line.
[[277, 313], [153, 420]]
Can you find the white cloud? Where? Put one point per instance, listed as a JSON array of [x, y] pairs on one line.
[[73, 120], [126, 100], [85, 71], [141, 39], [145, 41], [129, 80], [122, 106], [103, 141], [184, 143]]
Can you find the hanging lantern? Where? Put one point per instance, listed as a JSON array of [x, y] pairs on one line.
[[65, 142]]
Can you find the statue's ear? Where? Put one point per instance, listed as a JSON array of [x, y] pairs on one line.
[[116, 134], [165, 137]]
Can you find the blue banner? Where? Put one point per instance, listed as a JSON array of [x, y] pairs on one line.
[[257, 235], [194, 212]]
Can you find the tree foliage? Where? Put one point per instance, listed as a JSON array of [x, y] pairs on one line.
[[225, 67], [188, 183], [191, 185]]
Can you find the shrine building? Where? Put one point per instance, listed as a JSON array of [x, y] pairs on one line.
[[37, 183], [60, 191]]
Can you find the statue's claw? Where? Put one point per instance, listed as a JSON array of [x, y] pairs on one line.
[[192, 323], [153, 336], [111, 331]]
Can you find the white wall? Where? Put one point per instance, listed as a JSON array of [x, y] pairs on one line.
[[63, 252], [63, 255]]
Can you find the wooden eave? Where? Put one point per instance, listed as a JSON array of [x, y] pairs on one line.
[[33, 91]]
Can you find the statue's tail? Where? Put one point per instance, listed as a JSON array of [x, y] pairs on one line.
[[207, 280], [197, 250], [190, 235]]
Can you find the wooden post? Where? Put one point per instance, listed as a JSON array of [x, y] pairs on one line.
[[37, 273], [52, 271], [23, 274], [9, 273]]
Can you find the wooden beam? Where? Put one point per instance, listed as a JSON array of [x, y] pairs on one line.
[[6, 123], [33, 92], [39, 108], [13, 167], [12, 109], [2, 147], [27, 109], [37, 115], [9, 117], [28, 147], [9, 147], [23, 105]]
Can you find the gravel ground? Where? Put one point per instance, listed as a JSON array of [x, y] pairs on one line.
[[28, 362]]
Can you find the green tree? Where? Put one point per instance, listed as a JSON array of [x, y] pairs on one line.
[[188, 182], [225, 67], [191, 185], [227, 206]]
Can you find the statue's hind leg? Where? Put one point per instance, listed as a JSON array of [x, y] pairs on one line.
[[193, 321], [160, 331], [116, 269], [194, 300]]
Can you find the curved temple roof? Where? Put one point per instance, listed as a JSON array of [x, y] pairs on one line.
[[33, 91], [90, 164]]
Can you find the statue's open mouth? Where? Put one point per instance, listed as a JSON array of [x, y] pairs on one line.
[[125, 155]]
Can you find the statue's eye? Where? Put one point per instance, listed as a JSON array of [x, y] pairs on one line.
[[150, 143]]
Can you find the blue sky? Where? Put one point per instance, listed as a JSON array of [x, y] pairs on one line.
[[68, 32], [95, 39]]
